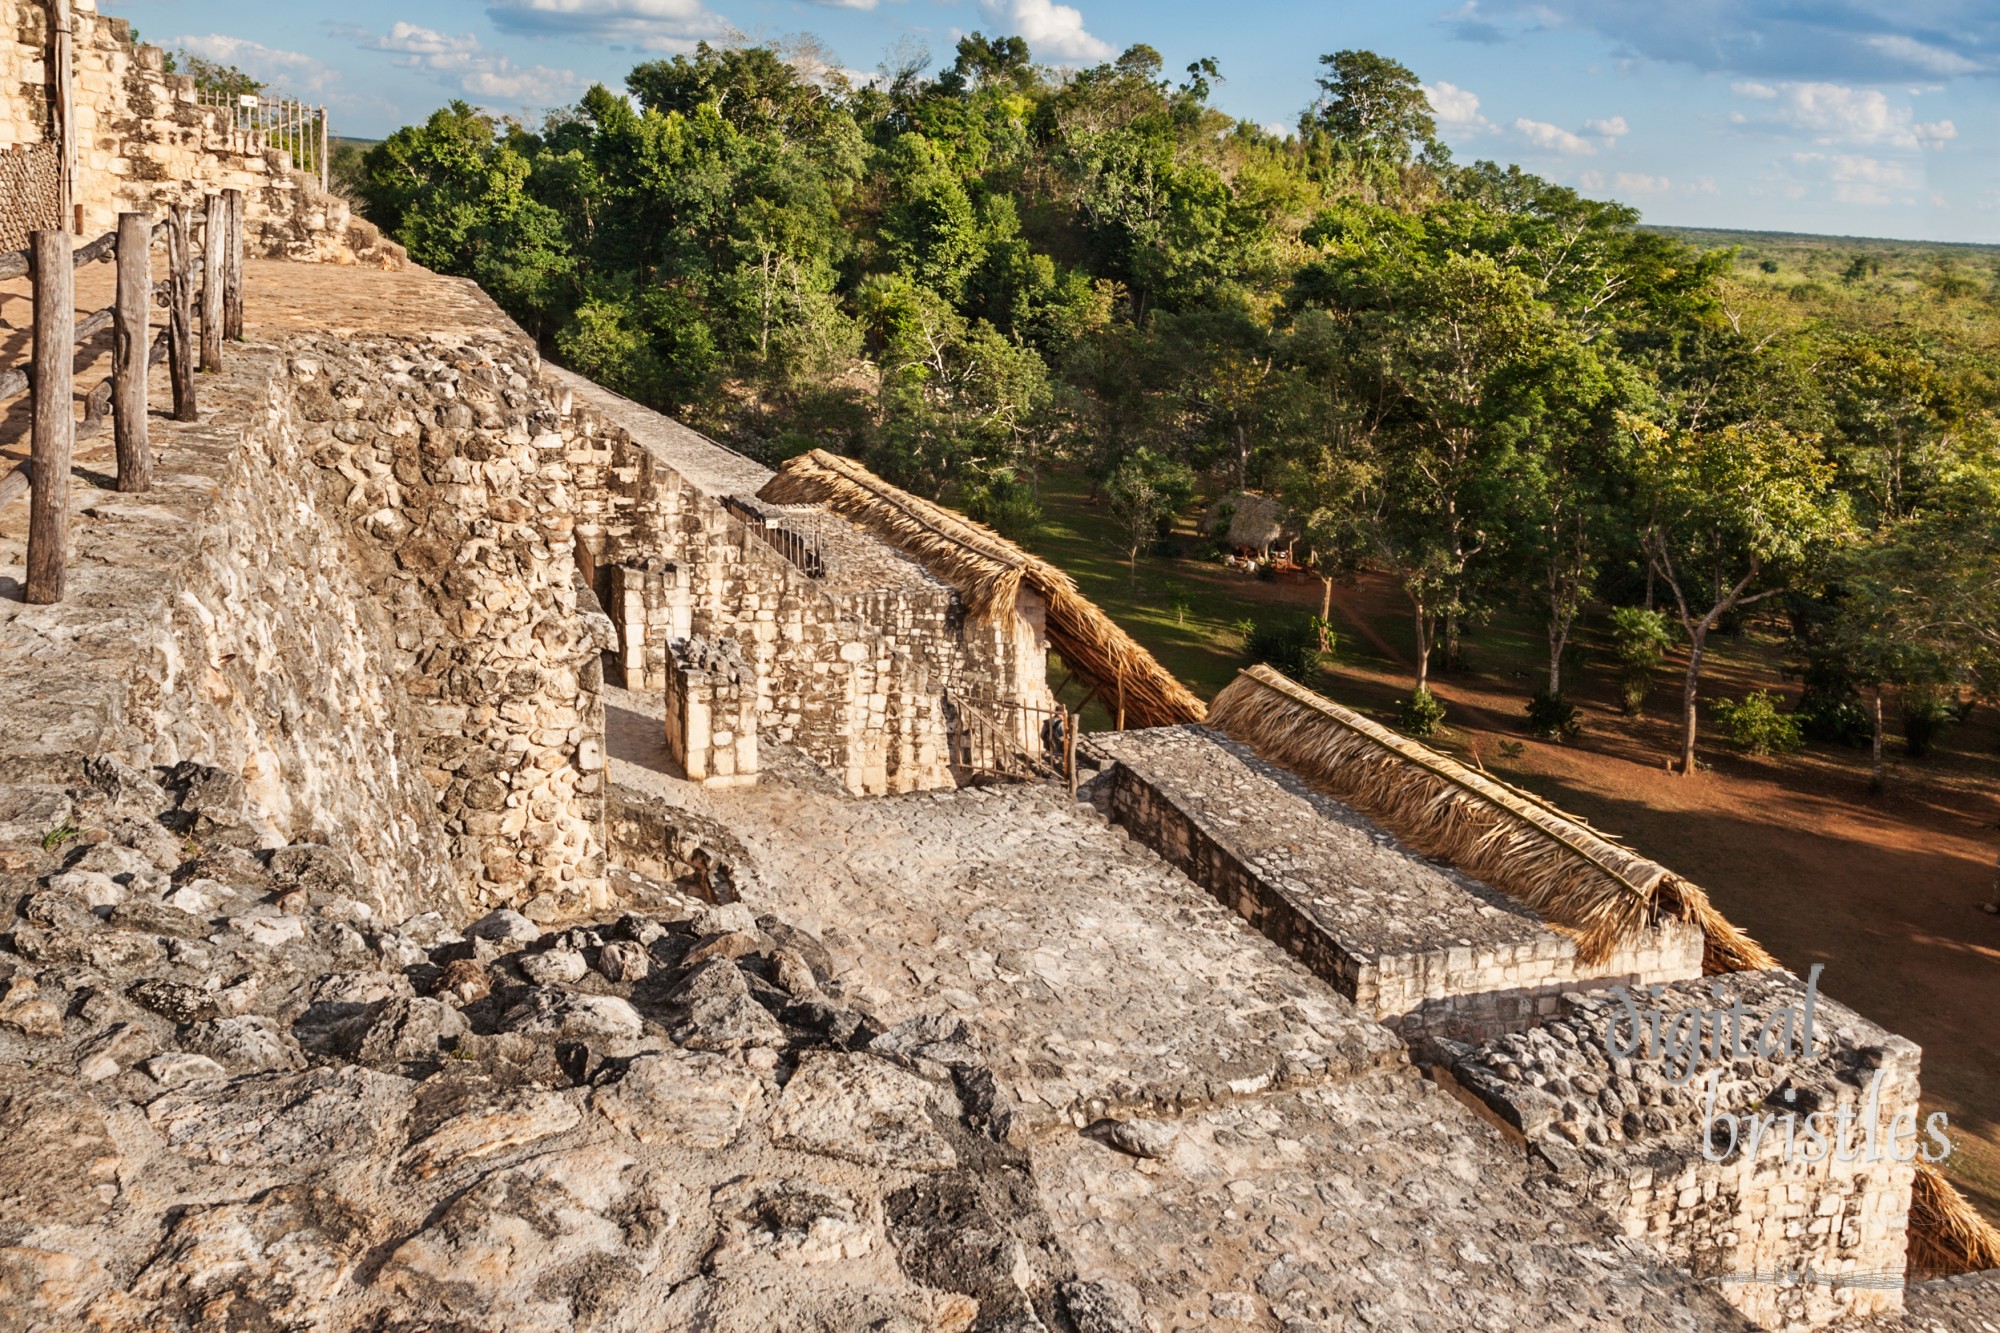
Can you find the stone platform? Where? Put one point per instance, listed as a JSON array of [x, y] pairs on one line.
[[1413, 943]]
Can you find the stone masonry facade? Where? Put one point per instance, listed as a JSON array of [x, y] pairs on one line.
[[144, 142], [853, 646], [1776, 1230]]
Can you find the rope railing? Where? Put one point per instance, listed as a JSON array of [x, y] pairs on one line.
[[50, 262]]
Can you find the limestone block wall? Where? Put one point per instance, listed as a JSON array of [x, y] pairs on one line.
[[215, 619], [451, 470], [712, 713], [851, 665], [1773, 1229], [144, 142]]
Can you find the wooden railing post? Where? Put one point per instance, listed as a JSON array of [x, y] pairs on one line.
[[232, 270], [131, 346], [180, 311], [54, 422], [63, 111], [324, 166], [214, 231]]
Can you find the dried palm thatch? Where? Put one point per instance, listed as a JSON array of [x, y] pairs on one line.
[[1947, 1234], [989, 572], [1575, 878], [1520, 844]]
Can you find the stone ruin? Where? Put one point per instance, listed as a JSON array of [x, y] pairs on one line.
[[378, 949], [145, 141]]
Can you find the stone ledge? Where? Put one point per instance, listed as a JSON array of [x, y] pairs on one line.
[[1412, 943]]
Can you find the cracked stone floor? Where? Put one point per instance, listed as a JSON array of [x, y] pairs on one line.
[[1313, 1179]]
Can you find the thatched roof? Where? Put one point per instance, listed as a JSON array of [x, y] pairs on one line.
[[1578, 879], [989, 572], [1254, 520]]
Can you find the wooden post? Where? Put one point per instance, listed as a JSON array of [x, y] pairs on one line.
[[325, 177], [180, 311], [1121, 699], [214, 231], [54, 421], [232, 269], [131, 341], [63, 106], [1069, 751]]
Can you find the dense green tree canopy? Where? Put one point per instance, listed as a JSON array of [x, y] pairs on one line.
[[1485, 383]]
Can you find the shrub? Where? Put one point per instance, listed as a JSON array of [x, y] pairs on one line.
[[1925, 714], [1003, 502], [1640, 638], [1290, 646], [1422, 714], [1552, 717], [1836, 717], [1755, 723]]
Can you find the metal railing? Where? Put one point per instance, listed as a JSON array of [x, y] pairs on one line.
[[992, 739], [50, 262], [254, 124]]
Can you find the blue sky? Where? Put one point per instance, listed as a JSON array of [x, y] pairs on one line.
[[1850, 117]]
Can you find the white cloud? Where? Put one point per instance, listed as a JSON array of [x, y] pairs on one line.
[[655, 25], [1704, 185], [1633, 182], [1834, 114], [1923, 56], [1555, 138], [1612, 128], [1857, 178], [1455, 107], [287, 71], [1049, 28], [459, 61], [1592, 181]]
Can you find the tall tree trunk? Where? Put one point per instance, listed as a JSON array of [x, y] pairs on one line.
[[1325, 613], [1558, 640], [1875, 748], [1451, 640], [1690, 689], [1423, 649]]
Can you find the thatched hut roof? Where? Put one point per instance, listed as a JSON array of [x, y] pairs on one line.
[[1254, 520], [989, 572], [1578, 879]]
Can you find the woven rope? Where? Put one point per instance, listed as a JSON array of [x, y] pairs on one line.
[[30, 192]]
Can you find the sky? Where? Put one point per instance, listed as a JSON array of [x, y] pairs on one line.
[[1840, 117]]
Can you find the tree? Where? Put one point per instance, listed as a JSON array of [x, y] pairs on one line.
[[1141, 491], [1729, 515], [1422, 337], [1376, 108], [211, 76], [1919, 605]]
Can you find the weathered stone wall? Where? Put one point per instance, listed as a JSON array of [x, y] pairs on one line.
[[448, 459], [217, 618], [712, 713], [1773, 1230], [853, 646], [143, 143]]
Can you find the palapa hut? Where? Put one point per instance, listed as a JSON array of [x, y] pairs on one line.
[[992, 574], [1576, 878], [1256, 522]]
